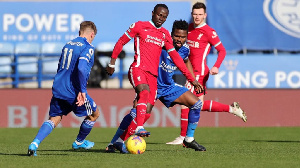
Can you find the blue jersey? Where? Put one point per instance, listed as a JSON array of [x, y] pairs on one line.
[[167, 67], [73, 70], [167, 90]]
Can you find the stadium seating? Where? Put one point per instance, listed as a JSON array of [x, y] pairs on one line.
[[27, 56], [6, 59], [50, 54]]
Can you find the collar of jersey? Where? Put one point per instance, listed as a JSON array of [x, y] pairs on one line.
[[86, 41], [200, 25], [151, 22]]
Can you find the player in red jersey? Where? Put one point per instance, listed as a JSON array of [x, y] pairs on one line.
[[149, 39], [201, 38]]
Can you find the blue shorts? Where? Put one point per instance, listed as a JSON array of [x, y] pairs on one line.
[[167, 95], [59, 107]]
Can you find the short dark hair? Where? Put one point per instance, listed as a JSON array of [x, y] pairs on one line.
[[87, 24], [180, 24], [199, 5], [160, 5]]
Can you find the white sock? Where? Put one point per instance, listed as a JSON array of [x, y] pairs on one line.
[[120, 140], [78, 143], [189, 139], [138, 128]]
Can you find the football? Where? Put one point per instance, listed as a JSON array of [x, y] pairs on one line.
[[136, 145]]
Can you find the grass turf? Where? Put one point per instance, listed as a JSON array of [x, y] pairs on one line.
[[226, 147]]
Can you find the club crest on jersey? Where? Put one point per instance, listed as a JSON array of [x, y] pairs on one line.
[[199, 37], [214, 34], [132, 25], [284, 15]]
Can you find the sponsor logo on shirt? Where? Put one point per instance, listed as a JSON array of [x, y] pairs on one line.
[[154, 40], [168, 68], [194, 44]]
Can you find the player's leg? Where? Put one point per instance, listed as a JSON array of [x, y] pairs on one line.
[[143, 92], [55, 114], [121, 129], [195, 104], [90, 110], [140, 82], [213, 106]]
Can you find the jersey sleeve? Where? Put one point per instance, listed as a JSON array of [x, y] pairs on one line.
[[214, 40], [86, 56], [125, 38]]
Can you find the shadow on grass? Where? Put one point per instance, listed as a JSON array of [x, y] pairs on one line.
[[284, 141]]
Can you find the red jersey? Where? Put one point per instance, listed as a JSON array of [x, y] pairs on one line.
[[148, 43], [200, 39]]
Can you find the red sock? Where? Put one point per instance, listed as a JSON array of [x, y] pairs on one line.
[[184, 121], [147, 116], [131, 128], [129, 131], [141, 107], [213, 106]]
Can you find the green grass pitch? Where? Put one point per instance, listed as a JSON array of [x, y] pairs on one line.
[[226, 147]]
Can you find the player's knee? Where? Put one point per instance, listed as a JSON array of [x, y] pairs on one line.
[[95, 115], [194, 114], [143, 95]]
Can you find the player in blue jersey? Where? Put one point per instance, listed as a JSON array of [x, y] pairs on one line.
[[168, 92], [69, 89]]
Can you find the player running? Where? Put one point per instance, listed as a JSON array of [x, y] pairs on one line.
[[149, 39], [169, 93], [201, 38], [69, 89]]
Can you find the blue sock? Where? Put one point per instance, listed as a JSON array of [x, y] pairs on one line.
[[85, 129], [193, 119], [124, 125], [44, 131]]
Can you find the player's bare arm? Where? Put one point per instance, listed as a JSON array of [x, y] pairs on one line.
[[110, 69], [188, 64]]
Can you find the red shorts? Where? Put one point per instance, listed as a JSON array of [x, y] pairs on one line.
[[138, 76], [201, 79]]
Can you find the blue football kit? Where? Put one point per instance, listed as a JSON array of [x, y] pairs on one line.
[[167, 89], [73, 71]]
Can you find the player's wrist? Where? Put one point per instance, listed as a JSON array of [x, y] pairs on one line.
[[111, 66]]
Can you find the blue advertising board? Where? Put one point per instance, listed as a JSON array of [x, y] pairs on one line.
[[256, 24], [59, 21], [256, 71]]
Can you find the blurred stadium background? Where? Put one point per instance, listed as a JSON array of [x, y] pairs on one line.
[[261, 69]]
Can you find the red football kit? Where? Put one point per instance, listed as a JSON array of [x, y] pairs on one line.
[[200, 39], [148, 43]]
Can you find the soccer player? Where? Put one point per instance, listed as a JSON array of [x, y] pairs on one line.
[[69, 89], [168, 92], [149, 39], [201, 38]]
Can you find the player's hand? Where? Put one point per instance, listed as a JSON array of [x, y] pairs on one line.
[[214, 71], [198, 87], [80, 99], [110, 70]]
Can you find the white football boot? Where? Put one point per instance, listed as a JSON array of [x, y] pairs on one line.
[[237, 111]]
